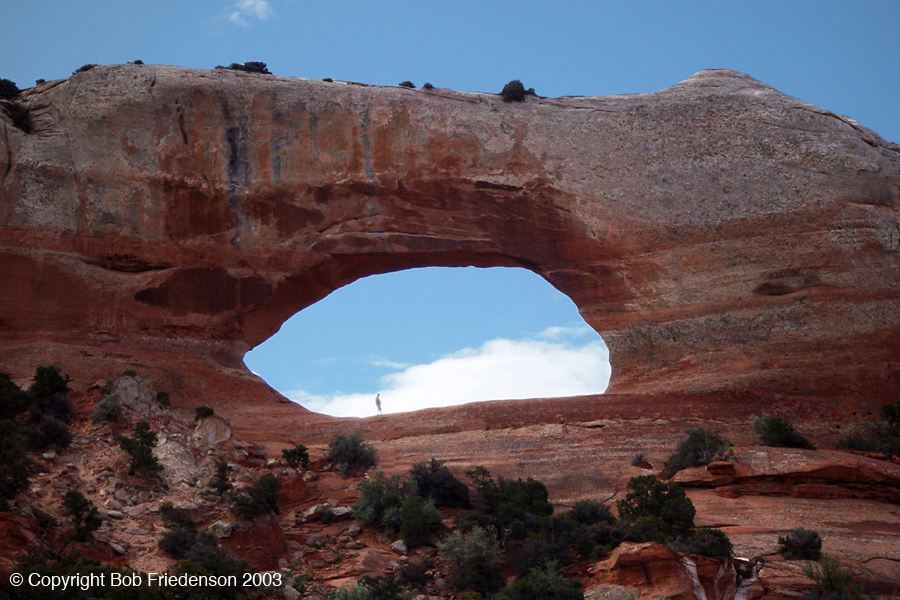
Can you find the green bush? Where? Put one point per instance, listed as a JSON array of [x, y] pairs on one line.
[[296, 457], [43, 430], [459, 545], [84, 68], [107, 409], [427, 86], [515, 91], [406, 84], [48, 392], [203, 412], [775, 431], [589, 512], [835, 582], [219, 481], [701, 447], [381, 500], [14, 463], [350, 453], [258, 499], [509, 507], [140, 446], [801, 544], [85, 516], [419, 520], [162, 398], [435, 481], [705, 542], [546, 584], [656, 511]]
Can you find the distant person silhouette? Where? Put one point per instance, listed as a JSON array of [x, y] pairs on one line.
[[378, 402]]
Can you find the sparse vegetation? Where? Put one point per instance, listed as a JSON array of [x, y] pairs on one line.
[[474, 558], [419, 520], [380, 501], [701, 447], [546, 584], [801, 544], [140, 446], [427, 86], [107, 409], [84, 68], [14, 464], [203, 412], [655, 510], [775, 431], [297, 456], [350, 453], [705, 542], [515, 91], [162, 398], [406, 84], [836, 582]]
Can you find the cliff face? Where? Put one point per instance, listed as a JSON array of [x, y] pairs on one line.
[[717, 233]]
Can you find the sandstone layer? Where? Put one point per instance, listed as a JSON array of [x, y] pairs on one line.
[[719, 234]]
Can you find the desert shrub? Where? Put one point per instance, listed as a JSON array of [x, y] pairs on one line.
[[140, 446], [415, 574], [589, 512], [602, 538], [835, 581], [13, 399], [701, 447], [546, 584], [419, 520], [350, 592], [381, 499], [107, 409], [515, 91], [459, 545], [775, 431], [162, 398], [249, 67], [14, 463], [44, 430], [350, 453], [213, 561], [8, 89], [84, 68], [129, 373], [203, 412], [178, 541], [297, 456], [705, 541], [137, 62], [513, 507], [638, 459], [656, 511], [873, 436], [85, 516], [19, 115], [183, 540], [385, 587], [801, 544], [406, 84], [435, 481], [219, 481], [48, 392], [258, 499]]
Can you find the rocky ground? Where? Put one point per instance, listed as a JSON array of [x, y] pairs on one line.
[[579, 447]]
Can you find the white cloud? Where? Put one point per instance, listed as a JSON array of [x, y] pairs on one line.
[[558, 333], [383, 362], [243, 10], [499, 370]]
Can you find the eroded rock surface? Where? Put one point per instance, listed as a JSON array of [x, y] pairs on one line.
[[718, 233]]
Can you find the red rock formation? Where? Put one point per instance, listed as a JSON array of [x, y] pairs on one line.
[[719, 234]]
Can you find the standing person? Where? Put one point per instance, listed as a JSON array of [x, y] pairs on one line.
[[378, 402]]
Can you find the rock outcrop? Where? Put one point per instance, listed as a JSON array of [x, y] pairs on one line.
[[718, 233]]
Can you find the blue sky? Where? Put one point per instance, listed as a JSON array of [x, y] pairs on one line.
[[438, 336]]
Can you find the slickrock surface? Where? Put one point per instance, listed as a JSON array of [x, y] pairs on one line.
[[718, 233]]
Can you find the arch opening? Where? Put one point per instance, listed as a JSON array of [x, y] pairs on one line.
[[433, 337]]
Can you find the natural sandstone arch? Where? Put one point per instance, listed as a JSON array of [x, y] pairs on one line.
[[717, 233]]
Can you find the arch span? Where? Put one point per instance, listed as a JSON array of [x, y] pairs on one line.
[[717, 233]]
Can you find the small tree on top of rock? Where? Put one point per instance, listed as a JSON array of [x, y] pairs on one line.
[[515, 91], [296, 457], [701, 447]]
